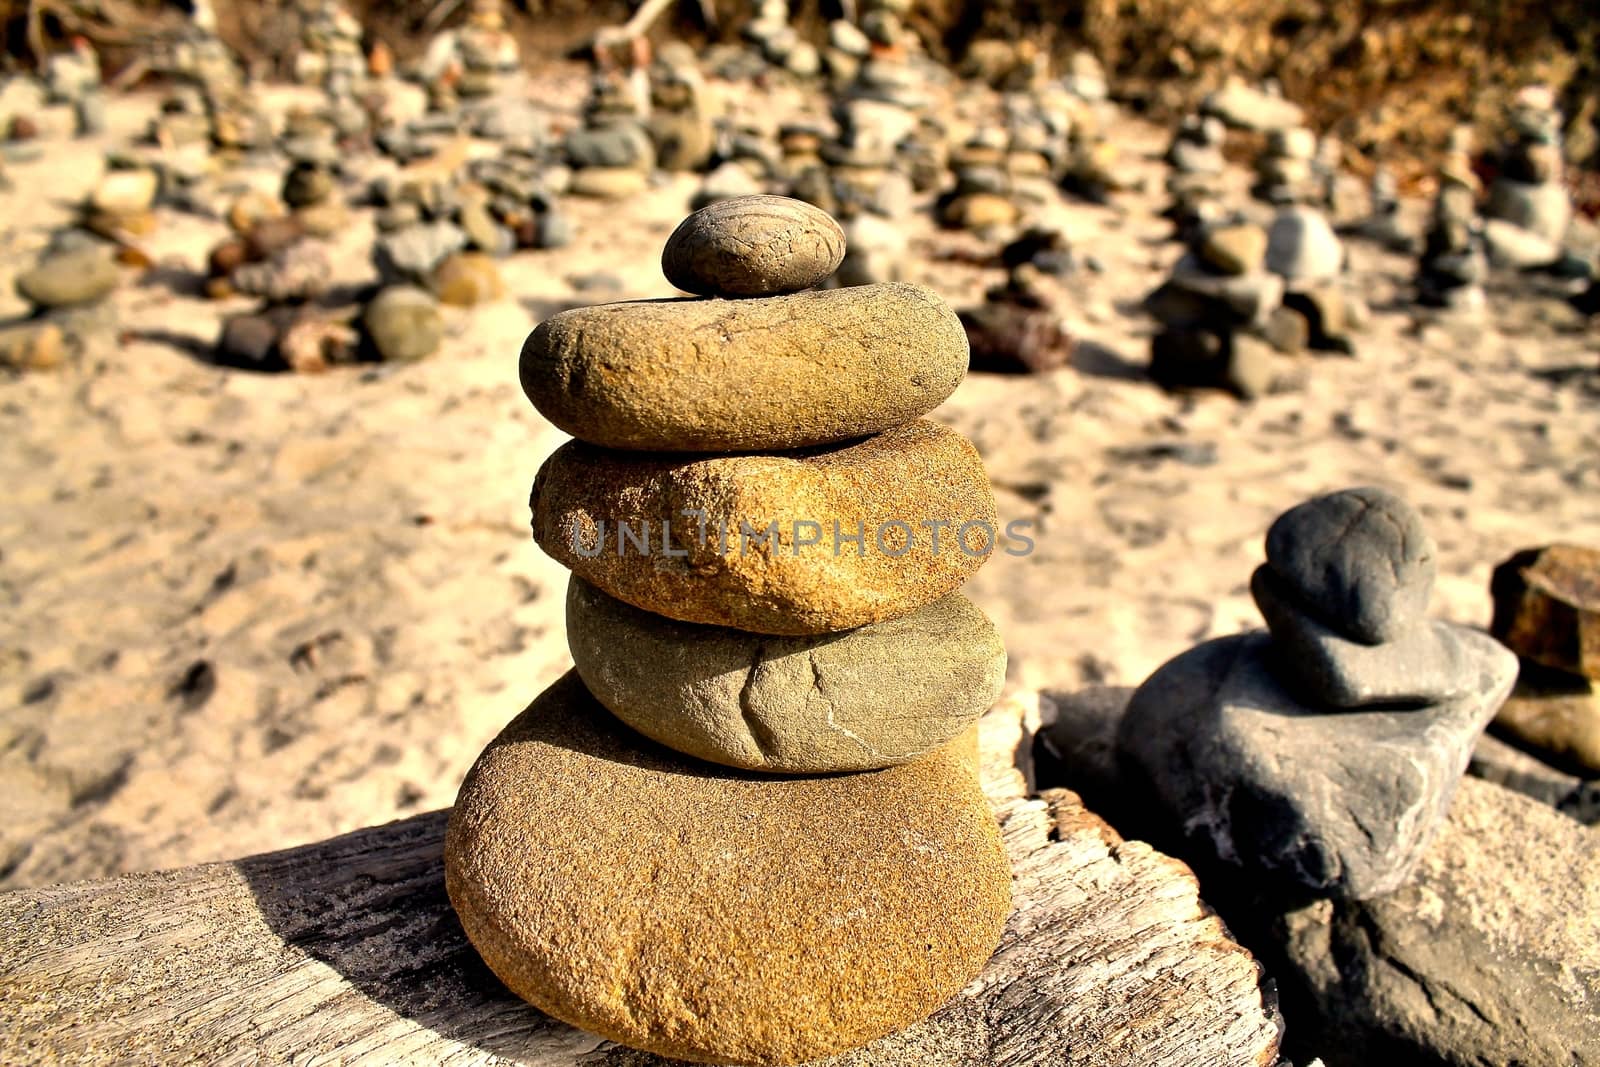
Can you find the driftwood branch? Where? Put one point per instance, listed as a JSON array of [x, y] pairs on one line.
[[346, 951]]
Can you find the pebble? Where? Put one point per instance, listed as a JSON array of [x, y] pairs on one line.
[[877, 696], [720, 917], [1302, 247], [917, 495], [1359, 560], [404, 324], [753, 246], [1234, 249], [125, 192], [69, 279], [773, 373], [609, 183], [467, 279]]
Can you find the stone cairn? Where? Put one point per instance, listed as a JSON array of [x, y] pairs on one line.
[[1250, 743], [1215, 310], [1453, 267], [1547, 611], [1528, 209], [712, 840]]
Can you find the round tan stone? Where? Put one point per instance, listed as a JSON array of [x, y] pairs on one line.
[[713, 915], [873, 697], [775, 553], [750, 375], [753, 246]]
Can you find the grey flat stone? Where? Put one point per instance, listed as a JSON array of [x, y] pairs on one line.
[[1342, 804], [1424, 665]]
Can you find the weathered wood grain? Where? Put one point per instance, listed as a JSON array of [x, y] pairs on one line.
[[347, 952]]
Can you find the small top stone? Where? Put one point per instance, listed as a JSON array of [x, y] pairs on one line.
[[1359, 560], [753, 246]]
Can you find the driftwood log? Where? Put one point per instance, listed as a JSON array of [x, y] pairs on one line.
[[346, 951]]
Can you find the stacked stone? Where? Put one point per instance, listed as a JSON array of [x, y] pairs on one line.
[[1195, 183], [1286, 169], [680, 114], [1547, 611], [1251, 744], [747, 828], [983, 199], [1383, 223], [73, 77], [488, 52], [330, 45], [1453, 267], [780, 43], [1216, 309], [612, 154], [1528, 208]]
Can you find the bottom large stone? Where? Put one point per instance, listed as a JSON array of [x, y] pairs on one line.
[[714, 915], [1340, 804]]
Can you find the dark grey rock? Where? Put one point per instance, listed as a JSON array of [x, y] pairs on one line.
[[1358, 559], [1425, 664], [1340, 805], [1505, 765], [1489, 957], [1248, 298]]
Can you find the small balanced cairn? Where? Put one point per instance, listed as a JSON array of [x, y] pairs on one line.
[[748, 827], [1321, 756]]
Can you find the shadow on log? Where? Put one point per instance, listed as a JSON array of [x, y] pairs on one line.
[[347, 951]]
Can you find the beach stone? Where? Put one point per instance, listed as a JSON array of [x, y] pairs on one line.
[[1245, 299], [1302, 247], [33, 346], [125, 192], [1511, 246], [1543, 209], [774, 373], [753, 246], [609, 183], [1425, 664], [1547, 607], [876, 696], [1359, 560], [299, 271], [69, 279], [638, 893], [1234, 249], [1300, 799], [404, 324], [1489, 955], [1556, 715], [1328, 313], [624, 144], [1287, 331], [728, 181], [917, 494], [1247, 108], [1506, 765], [467, 279], [412, 252]]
